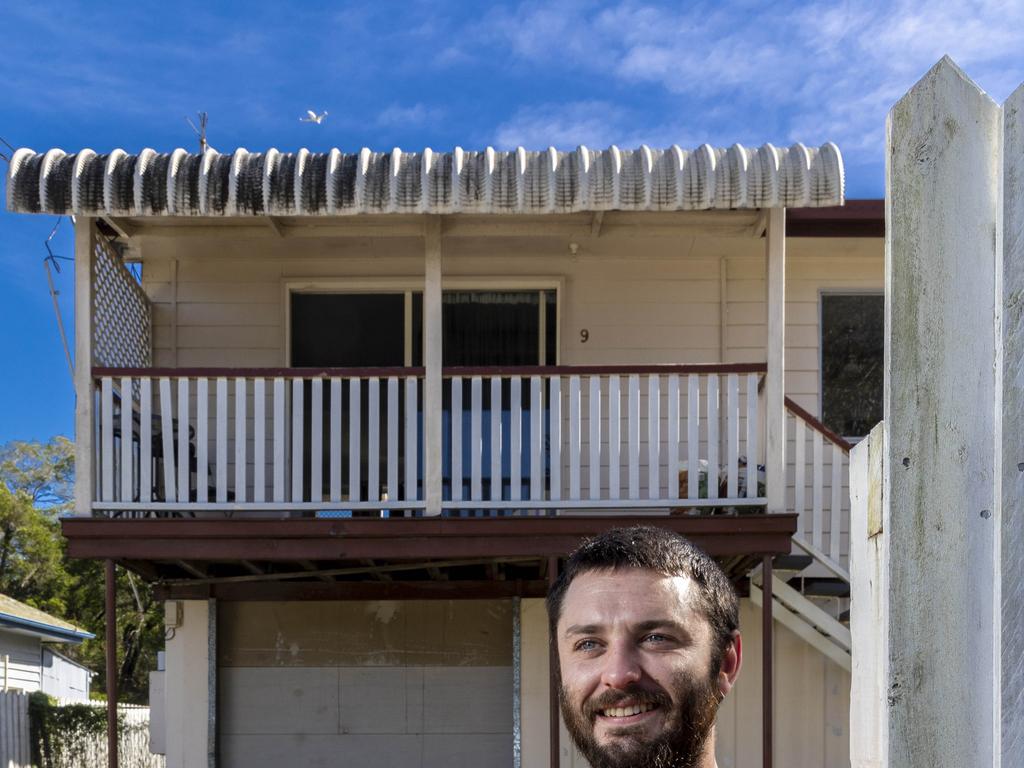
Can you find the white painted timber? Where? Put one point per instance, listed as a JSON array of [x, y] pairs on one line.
[[167, 437], [817, 490], [393, 428], [220, 443], [297, 441], [800, 471], [259, 440], [183, 440], [594, 422], [1011, 525], [241, 442], [457, 476], [432, 383], [692, 436], [411, 439], [279, 439], [335, 446], [653, 436], [712, 427], [753, 425], [373, 440], [146, 440], [536, 438], [633, 430], [107, 438], [85, 415], [574, 438], [673, 436], [869, 590], [774, 386], [555, 434], [476, 447], [316, 440], [127, 430], [732, 421], [614, 436], [354, 441], [516, 438], [796, 624], [943, 217], [496, 410], [835, 508]]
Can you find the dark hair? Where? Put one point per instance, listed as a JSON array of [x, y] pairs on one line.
[[661, 550]]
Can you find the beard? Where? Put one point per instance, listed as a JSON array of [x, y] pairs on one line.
[[688, 723]]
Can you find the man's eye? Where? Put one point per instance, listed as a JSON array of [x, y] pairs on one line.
[[586, 645], [654, 637]]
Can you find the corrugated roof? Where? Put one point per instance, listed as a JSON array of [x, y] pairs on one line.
[[335, 183], [15, 612]]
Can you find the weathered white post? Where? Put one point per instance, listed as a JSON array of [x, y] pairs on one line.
[[1011, 523], [85, 243], [948, 648], [432, 381], [774, 384]]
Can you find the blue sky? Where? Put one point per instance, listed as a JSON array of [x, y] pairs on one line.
[[415, 74]]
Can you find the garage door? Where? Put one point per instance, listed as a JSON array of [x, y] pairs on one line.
[[367, 684]]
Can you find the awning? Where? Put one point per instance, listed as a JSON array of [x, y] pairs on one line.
[[334, 183]]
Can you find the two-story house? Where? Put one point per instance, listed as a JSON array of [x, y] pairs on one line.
[[349, 410]]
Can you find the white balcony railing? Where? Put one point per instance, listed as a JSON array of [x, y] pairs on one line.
[[335, 442]]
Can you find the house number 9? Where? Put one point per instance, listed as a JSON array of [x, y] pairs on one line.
[[584, 336]]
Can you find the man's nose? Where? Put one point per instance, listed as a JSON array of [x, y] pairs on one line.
[[621, 667]]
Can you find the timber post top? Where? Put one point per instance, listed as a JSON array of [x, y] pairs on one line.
[[272, 183]]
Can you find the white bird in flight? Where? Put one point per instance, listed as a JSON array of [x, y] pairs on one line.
[[313, 117]]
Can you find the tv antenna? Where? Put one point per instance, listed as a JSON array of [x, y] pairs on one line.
[[200, 132]]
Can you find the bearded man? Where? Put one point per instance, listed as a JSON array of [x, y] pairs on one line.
[[646, 627]]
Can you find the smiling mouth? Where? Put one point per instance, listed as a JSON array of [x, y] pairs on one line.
[[626, 713]]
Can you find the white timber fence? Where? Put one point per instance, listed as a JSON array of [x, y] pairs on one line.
[[513, 439], [940, 493], [15, 751], [80, 750]]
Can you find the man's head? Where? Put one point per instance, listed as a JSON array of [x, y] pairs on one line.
[[646, 629]]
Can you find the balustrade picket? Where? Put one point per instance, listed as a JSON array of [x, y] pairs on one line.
[[202, 439]]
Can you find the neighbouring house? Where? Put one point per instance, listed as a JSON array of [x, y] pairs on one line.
[[29, 660], [348, 411]]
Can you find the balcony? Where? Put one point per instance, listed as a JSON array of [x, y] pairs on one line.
[[351, 442]]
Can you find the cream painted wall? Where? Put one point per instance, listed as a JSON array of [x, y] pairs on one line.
[[811, 702], [656, 300], [186, 690]]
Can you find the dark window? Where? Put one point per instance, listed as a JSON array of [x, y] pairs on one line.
[[852, 350], [352, 330]]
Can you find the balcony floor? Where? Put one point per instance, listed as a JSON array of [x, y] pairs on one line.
[[405, 558]]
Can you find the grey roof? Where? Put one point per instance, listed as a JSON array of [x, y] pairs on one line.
[[20, 617], [335, 183]]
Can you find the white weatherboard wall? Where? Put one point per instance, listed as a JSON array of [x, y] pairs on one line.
[[375, 684], [812, 697], [22, 656]]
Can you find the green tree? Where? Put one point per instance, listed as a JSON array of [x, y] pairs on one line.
[[36, 481]]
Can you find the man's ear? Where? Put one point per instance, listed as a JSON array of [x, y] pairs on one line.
[[732, 660]]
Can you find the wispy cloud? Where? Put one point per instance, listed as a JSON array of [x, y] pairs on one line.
[[401, 116], [808, 72]]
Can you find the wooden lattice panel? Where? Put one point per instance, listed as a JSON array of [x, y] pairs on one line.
[[122, 314]]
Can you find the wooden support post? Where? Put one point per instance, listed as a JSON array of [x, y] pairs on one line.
[[767, 668], [775, 380], [432, 360], [554, 712], [85, 476], [110, 608]]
